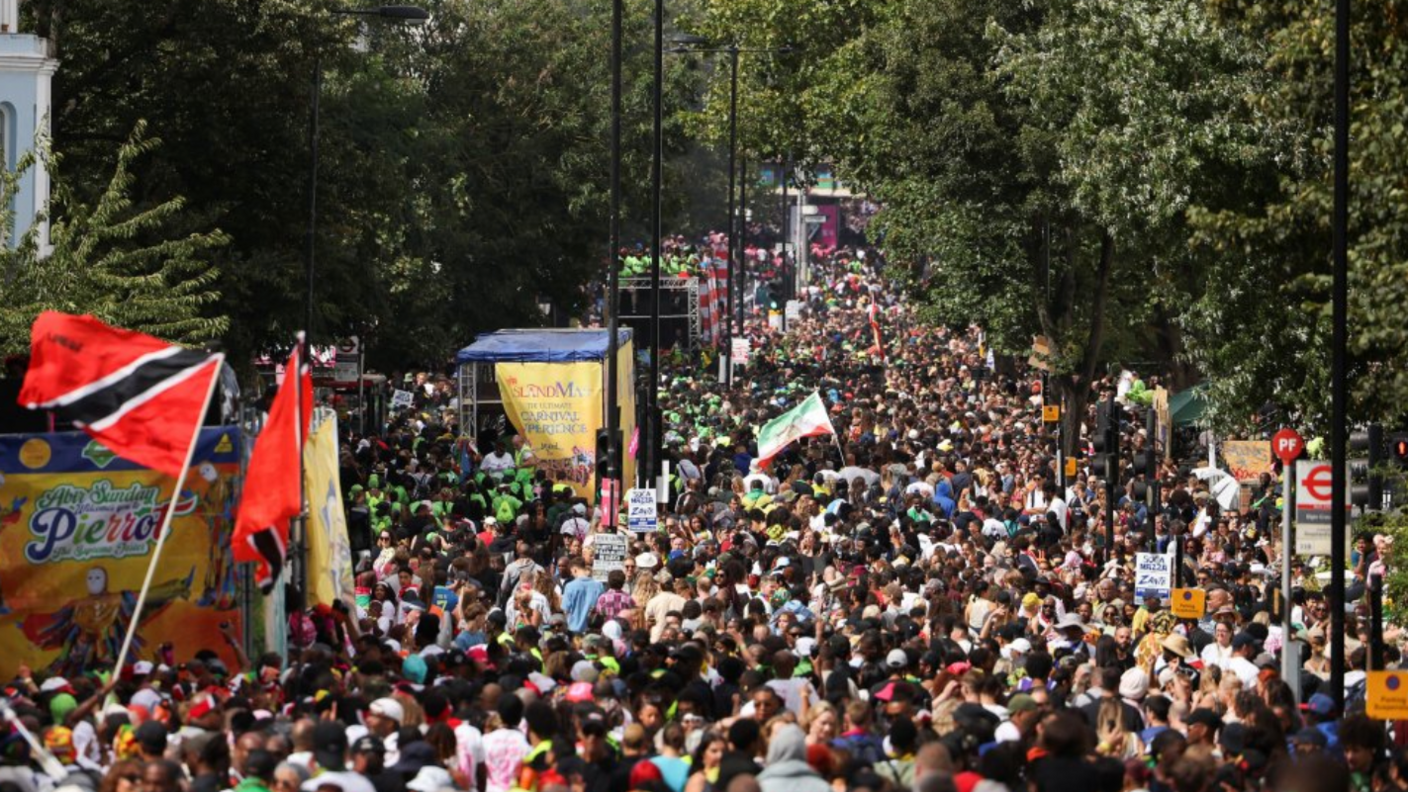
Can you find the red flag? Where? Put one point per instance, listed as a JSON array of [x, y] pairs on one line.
[[140, 396], [273, 492]]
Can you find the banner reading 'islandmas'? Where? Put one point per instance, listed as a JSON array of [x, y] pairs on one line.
[[77, 527], [557, 408]]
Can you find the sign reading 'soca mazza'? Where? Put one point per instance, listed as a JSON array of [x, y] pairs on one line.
[[1153, 575], [641, 510]]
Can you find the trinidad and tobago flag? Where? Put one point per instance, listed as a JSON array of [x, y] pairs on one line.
[[140, 396], [273, 492]]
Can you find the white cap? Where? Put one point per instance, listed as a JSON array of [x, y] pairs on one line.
[[345, 781], [896, 659], [388, 708], [53, 683], [431, 779], [142, 668], [647, 561]]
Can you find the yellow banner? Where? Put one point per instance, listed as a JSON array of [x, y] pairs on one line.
[[77, 527], [557, 409], [329, 550]]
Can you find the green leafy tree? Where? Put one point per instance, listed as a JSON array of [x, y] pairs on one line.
[[113, 259], [1037, 162], [463, 161], [1264, 335]]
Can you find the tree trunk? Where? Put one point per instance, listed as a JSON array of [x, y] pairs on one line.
[[1074, 401]]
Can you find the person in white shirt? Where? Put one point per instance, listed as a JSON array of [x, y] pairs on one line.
[[497, 460], [1219, 652], [756, 474], [1244, 648], [1058, 505]]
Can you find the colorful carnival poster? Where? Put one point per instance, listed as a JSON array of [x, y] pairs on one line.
[[557, 408], [77, 527]]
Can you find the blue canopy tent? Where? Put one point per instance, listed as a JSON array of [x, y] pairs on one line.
[[540, 346], [551, 356]]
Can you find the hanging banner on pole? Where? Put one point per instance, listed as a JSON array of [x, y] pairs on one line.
[[329, 547], [77, 527]]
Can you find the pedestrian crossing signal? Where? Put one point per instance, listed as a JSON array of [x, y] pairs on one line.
[[1398, 448]]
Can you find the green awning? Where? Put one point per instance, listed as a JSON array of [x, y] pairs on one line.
[[1188, 406]]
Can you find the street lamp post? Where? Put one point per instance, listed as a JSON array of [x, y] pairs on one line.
[[689, 44], [742, 256], [782, 227], [397, 13], [654, 445], [613, 284], [732, 234], [1339, 345]]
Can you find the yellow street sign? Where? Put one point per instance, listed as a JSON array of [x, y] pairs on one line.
[[1188, 603], [1386, 695]]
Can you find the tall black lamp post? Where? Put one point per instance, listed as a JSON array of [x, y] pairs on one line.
[[698, 45], [395, 13]]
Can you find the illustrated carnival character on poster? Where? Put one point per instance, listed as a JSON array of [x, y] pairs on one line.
[[88, 631], [216, 497], [74, 553]]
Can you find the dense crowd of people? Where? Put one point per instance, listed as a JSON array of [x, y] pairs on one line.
[[917, 603]]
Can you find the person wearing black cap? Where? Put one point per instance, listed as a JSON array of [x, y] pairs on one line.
[[1309, 741], [1244, 650], [369, 759], [330, 746], [413, 758], [259, 772], [1202, 725]]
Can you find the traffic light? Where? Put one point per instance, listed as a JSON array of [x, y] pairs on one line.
[[1106, 442], [604, 460], [1366, 482], [1398, 450], [1147, 462]]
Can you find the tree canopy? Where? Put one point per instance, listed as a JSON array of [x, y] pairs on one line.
[[1140, 182]]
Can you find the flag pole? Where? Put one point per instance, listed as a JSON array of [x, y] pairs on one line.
[[299, 539], [219, 360]]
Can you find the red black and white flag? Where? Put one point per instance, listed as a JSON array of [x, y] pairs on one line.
[[273, 491], [140, 396]]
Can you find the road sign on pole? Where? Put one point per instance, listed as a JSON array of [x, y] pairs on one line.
[[1287, 445], [1312, 507]]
